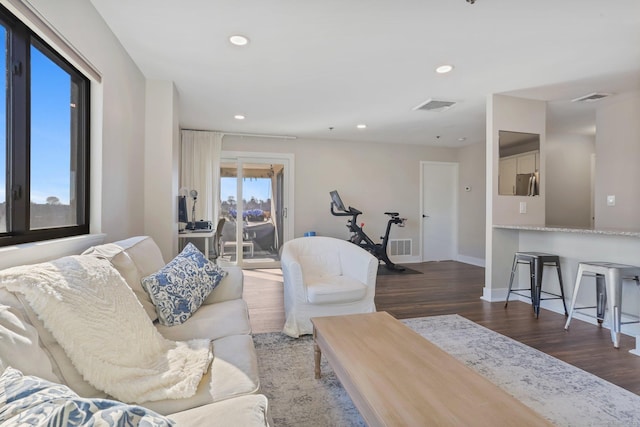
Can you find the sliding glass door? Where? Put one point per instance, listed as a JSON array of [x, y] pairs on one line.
[[254, 200]]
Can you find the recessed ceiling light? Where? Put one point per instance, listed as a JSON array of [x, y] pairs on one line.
[[443, 69], [238, 40], [362, 126], [239, 117]]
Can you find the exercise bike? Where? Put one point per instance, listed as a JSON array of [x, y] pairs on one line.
[[360, 238]]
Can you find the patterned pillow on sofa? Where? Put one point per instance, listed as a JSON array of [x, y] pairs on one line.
[[180, 287], [28, 400]]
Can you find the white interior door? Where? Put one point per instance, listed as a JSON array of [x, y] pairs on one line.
[[439, 211]]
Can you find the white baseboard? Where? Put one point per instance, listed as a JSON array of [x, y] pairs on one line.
[[494, 295]]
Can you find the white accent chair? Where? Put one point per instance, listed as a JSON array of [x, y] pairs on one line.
[[324, 276]]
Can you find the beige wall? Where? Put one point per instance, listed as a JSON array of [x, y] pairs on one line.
[[568, 179], [617, 154], [374, 178]]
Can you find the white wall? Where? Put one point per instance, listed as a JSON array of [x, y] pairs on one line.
[[161, 158], [568, 179], [117, 124], [374, 178], [471, 204], [518, 115], [617, 154]]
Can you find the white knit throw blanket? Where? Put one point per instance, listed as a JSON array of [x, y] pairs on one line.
[[98, 321]]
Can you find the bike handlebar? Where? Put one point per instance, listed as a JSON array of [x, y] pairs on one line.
[[351, 212]]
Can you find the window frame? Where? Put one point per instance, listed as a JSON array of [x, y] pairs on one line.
[[20, 39]]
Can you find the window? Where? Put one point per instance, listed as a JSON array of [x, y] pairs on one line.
[[44, 142]]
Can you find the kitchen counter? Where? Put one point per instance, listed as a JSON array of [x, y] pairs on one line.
[[606, 232]]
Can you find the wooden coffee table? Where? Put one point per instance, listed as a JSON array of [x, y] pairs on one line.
[[395, 377]]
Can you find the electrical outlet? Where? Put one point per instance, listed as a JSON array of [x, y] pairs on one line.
[[611, 200], [523, 207]]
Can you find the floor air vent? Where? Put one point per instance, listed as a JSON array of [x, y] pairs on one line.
[[400, 247]]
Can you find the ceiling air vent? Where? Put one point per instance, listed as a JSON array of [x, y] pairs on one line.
[[591, 97], [434, 105]]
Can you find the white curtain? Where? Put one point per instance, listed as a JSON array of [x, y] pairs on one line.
[[200, 171]]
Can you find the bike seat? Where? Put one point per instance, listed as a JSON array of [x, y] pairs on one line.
[[392, 213]]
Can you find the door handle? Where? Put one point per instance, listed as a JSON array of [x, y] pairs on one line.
[[425, 216]]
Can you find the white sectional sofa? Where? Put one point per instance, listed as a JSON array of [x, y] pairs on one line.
[[229, 392]]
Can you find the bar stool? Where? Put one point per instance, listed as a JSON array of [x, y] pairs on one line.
[[536, 261], [609, 278]]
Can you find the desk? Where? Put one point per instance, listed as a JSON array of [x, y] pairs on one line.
[[188, 234]]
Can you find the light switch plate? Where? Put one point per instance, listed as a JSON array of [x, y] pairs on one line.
[[523, 207], [611, 200]]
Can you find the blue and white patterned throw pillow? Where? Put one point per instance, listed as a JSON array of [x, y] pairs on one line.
[[181, 286], [28, 400]]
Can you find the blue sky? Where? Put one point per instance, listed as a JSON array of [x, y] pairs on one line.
[[50, 130]]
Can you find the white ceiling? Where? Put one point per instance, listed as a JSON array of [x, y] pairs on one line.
[[315, 65]]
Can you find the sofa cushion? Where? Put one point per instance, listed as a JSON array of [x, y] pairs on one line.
[[19, 345], [246, 411], [97, 319], [335, 290], [212, 321], [179, 288], [128, 270], [233, 372], [60, 363], [230, 287], [29, 400]]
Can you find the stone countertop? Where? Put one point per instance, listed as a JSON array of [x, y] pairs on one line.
[[604, 231]]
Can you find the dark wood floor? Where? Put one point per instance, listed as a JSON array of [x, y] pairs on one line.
[[455, 288]]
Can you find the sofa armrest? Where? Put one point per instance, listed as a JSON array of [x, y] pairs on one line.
[[230, 287]]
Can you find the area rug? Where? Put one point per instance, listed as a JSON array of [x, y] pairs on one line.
[[562, 393]]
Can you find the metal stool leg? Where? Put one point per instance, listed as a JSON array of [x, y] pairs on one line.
[[536, 284], [561, 287], [513, 272], [614, 290], [601, 298], [574, 296]]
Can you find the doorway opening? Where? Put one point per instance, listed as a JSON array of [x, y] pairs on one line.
[[253, 201]]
